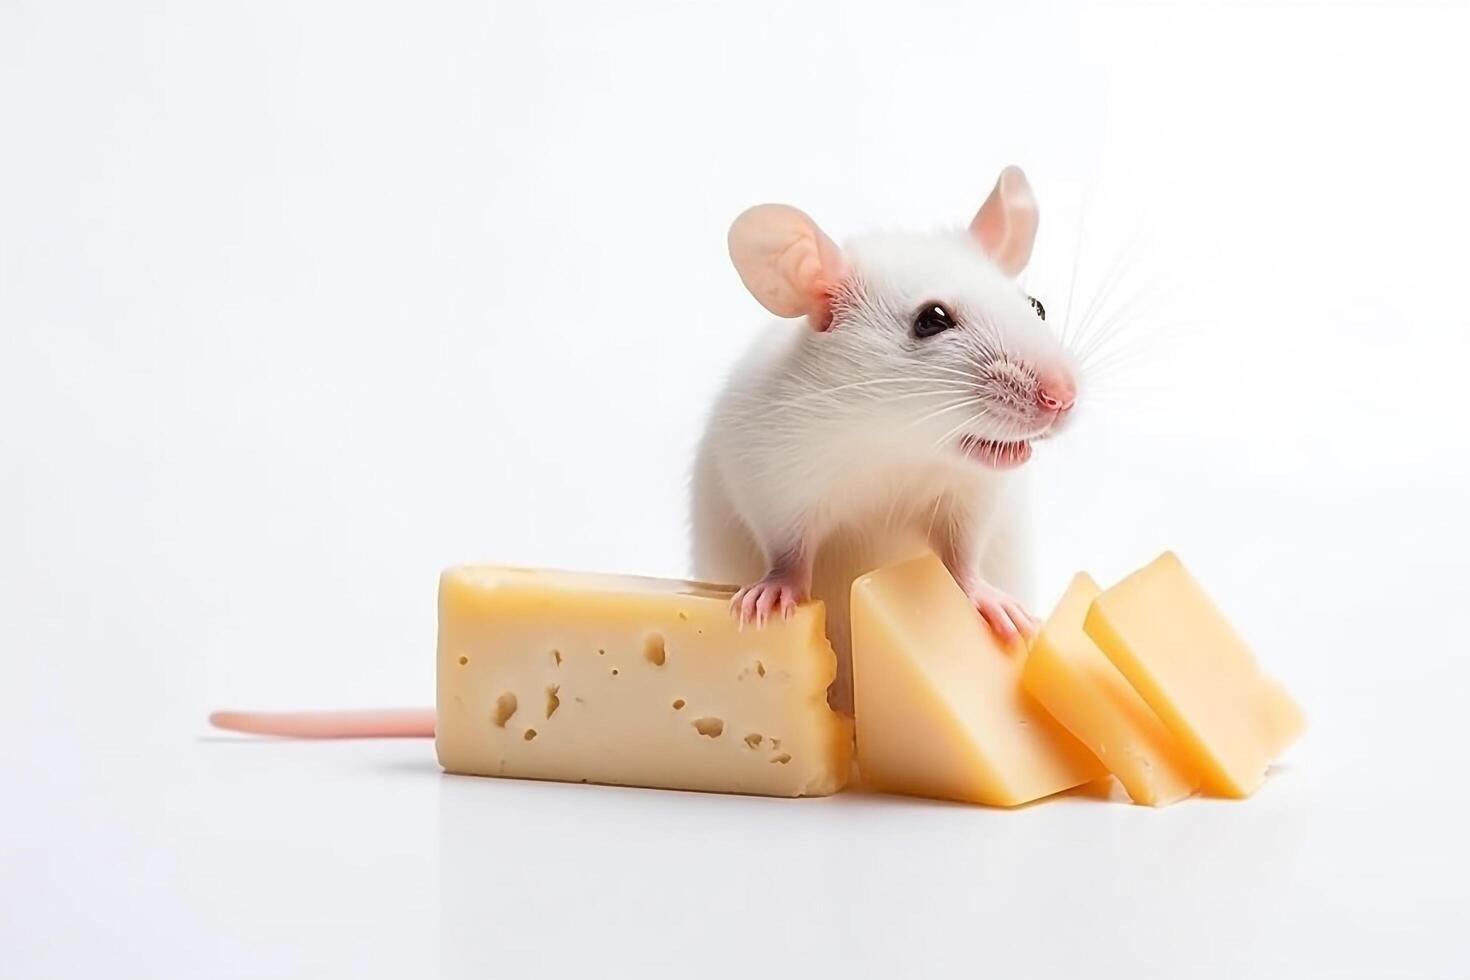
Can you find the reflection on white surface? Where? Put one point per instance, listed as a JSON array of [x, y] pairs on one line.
[[245, 859]]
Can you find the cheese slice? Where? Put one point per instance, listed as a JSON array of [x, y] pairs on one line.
[[639, 682], [1188, 663], [1081, 688], [940, 710]]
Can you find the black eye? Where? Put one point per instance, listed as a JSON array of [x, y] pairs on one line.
[[930, 320], [1036, 305]]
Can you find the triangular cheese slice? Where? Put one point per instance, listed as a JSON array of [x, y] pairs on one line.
[[939, 705], [1186, 660]]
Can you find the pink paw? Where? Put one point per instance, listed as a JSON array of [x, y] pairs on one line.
[[755, 603], [1007, 618]]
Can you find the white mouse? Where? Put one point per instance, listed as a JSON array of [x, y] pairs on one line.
[[887, 422]]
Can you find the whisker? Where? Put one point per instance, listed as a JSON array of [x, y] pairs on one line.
[[1112, 320], [939, 384], [952, 406], [1115, 275], [969, 376], [1072, 283], [955, 431]]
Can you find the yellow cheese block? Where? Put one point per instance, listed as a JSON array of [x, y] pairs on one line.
[[1073, 680], [639, 682], [940, 710], [1188, 663]]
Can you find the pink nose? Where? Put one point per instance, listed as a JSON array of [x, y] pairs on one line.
[[1056, 391]]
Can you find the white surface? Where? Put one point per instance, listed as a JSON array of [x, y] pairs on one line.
[[299, 304]]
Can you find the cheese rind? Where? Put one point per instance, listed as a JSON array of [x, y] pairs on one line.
[[632, 681], [940, 710], [1080, 687], [1186, 660]]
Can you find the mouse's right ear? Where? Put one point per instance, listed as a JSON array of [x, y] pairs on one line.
[[1006, 223], [786, 262]]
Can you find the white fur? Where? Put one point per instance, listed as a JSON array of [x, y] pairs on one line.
[[848, 439]]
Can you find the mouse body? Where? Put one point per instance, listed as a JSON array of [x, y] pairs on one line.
[[893, 420]]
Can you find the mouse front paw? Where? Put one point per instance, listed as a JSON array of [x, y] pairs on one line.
[[1005, 615], [755, 603]]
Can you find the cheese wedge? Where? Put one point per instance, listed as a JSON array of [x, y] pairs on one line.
[[940, 710], [1188, 663], [639, 682], [1080, 687]]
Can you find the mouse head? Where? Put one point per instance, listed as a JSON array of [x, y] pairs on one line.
[[944, 310]]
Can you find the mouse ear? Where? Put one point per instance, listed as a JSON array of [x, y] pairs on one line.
[[786, 262], [1006, 223]]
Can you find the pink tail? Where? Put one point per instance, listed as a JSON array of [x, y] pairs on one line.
[[380, 723]]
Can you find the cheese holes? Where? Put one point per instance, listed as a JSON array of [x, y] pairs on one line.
[[654, 650], [710, 727], [505, 707]]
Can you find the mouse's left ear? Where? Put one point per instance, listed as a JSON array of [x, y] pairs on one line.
[[1006, 222], [789, 265]]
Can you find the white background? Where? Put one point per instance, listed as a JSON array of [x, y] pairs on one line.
[[301, 302]]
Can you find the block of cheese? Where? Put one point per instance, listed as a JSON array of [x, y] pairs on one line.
[[1186, 660], [1081, 688], [639, 682], [940, 710]]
